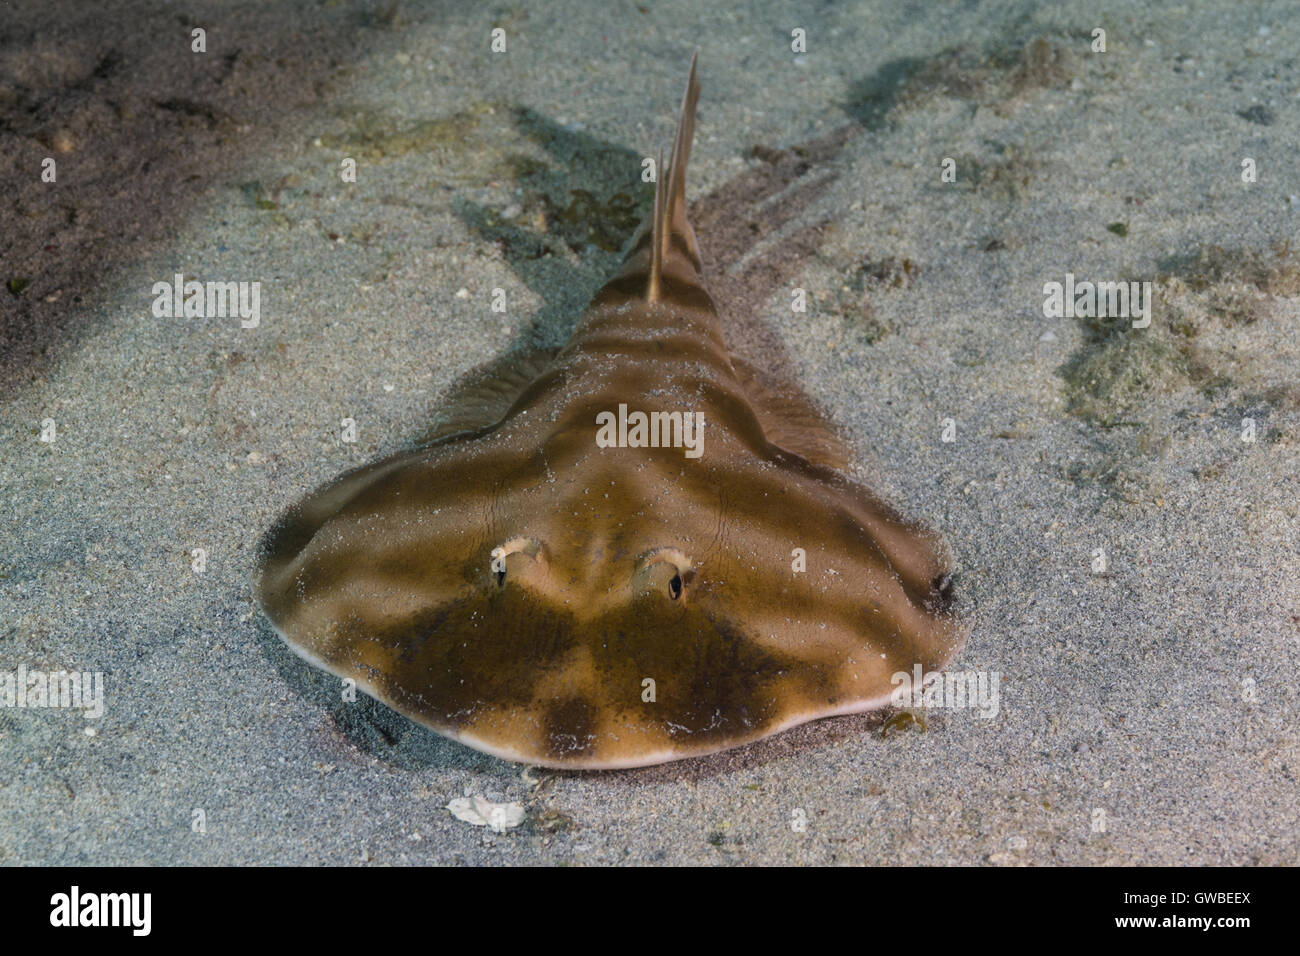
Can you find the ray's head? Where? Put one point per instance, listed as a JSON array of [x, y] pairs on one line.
[[600, 615]]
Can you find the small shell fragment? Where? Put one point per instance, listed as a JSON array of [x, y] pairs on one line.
[[482, 812]]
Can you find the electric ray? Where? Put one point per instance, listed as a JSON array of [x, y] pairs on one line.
[[634, 550]]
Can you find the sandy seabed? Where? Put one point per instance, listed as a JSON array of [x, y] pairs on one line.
[[1148, 710]]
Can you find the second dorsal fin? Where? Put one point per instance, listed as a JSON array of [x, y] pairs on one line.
[[669, 217], [662, 263]]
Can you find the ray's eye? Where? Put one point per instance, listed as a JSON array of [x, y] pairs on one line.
[[664, 567], [529, 547]]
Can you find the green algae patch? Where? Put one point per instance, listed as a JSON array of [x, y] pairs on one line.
[[1198, 302], [375, 137], [901, 721], [589, 220], [1042, 64], [257, 195], [855, 301], [1006, 176], [587, 192], [1117, 371], [1236, 283]]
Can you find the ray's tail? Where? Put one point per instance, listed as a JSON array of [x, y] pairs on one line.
[[663, 260]]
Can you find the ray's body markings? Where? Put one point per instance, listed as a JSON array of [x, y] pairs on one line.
[[511, 583]]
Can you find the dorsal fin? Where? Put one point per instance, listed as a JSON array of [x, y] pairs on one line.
[[663, 258], [670, 192]]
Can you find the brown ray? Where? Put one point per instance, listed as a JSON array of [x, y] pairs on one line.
[[521, 587]]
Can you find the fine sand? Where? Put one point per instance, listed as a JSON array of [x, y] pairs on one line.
[[1148, 709]]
